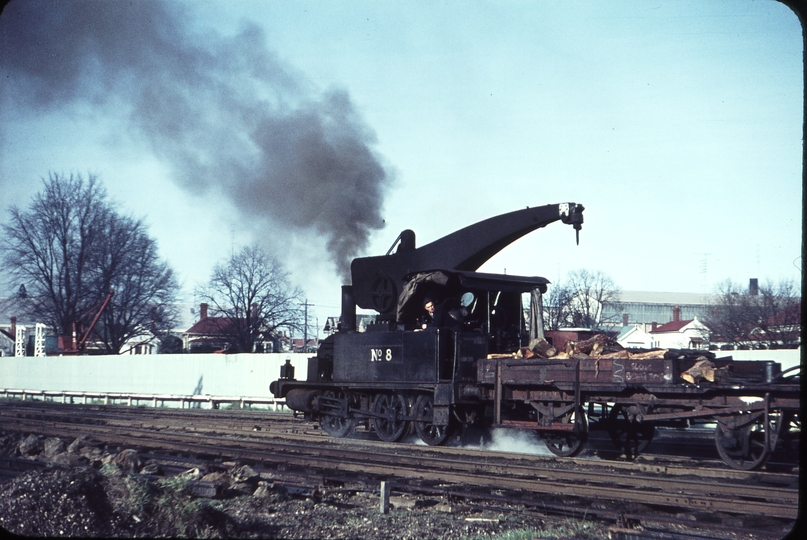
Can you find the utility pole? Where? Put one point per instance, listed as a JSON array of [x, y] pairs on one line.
[[305, 326]]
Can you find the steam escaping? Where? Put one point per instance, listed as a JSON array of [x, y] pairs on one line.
[[223, 111], [515, 441]]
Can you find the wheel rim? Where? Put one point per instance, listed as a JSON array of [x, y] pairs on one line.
[[428, 432], [740, 440], [390, 426], [628, 435], [567, 444], [336, 426]]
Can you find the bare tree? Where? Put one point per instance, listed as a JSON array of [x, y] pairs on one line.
[[594, 295], [768, 316], [70, 248], [557, 302], [144, 300], [47, 248], [252, 292], [584, 300]]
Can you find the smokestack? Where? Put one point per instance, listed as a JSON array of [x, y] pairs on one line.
[[676, 314], [202, 311], [348, 309], [14, 327], [753, 287], [624, 319]]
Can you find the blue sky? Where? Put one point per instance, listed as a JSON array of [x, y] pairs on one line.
[[677, 124]]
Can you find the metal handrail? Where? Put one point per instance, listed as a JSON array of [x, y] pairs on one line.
[[137, 398]]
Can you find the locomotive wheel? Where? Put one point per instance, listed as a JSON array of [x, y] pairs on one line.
[[740, 439], [428, 432], [565, 443], [390, 426], [336, 426], [628, 435]]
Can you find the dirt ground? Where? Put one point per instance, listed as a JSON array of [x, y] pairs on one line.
[[87, 492]]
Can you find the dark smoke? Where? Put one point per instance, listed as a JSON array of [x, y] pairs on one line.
[[222, 110]]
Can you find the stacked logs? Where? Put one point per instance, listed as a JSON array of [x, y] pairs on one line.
[[602, 346]]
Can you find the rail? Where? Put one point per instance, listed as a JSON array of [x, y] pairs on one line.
[[108, 398]]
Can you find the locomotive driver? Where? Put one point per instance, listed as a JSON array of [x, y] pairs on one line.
[[427, 319]]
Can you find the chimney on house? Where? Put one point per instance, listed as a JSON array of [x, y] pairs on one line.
[[753, 287], [13, 328], [624, 319], [202, 311], [676, 314], [653, 325], [254, 311]]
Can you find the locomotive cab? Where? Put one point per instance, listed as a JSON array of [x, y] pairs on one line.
[[475, 315]]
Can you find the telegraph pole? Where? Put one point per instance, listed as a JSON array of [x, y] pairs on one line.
[[305, 326]]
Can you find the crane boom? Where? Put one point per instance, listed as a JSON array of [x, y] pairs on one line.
[[376, 279]]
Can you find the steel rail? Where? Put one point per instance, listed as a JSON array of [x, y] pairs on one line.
[[264, 424], [704, 496]]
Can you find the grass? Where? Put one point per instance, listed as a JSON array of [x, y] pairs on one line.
[[168, 503], [565, 530]]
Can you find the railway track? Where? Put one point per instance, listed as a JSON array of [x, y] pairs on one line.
[[280, 441]]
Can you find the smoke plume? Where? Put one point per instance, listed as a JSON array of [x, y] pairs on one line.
[[223, 111]]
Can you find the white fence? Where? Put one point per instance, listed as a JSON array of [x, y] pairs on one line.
[[154, 400], [151, 374], [194, 377]]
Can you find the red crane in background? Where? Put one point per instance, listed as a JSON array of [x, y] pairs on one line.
[[75, 343]]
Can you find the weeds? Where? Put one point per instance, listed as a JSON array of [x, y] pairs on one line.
[[583, 530], [169, 507]]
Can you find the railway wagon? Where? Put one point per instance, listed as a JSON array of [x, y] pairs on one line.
[[450, 348]]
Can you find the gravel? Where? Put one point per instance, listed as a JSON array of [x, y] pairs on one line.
[[86, 491]]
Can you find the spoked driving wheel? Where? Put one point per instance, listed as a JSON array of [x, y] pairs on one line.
[[628, 435], [337, 424], [390, 424], [568, 443], [428, 432], [741, 439]]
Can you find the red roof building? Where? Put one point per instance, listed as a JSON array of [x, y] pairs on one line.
[[209, 334]]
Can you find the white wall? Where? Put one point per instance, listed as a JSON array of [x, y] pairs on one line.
[[787, 357], [246, 375]]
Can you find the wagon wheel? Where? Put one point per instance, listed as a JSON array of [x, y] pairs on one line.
[[390, 426], [336, 425], [740, 439], [428, 432], [786, 454], [629, 435], [568, 443]]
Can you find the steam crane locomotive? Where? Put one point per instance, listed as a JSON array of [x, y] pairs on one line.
[[461, 366]]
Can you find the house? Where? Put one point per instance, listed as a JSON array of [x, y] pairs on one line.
[[635, 337], [6, 343], [209, 334], [213, 334], [678, 334], [780, 330], [140, 345], [310, 346]]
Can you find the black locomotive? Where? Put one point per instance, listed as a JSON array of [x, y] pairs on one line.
[[460, 362]]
